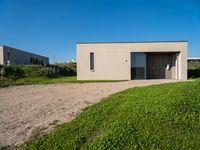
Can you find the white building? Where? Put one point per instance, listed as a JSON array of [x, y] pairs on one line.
[[132, 60]]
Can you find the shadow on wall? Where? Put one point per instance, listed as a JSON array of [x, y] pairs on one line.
[[194, 73]]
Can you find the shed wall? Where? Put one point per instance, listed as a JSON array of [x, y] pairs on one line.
[[21, 57], [112, 60], [1, 54]]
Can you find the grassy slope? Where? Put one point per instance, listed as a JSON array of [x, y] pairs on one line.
[[26, 81], [155, 117]]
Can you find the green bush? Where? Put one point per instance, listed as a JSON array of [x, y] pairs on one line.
[[33, 71], [193, 65], [49, 72], [66, 69], [6, 82], [12, 72]]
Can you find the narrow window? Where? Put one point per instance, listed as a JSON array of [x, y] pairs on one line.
[[31, 60], [8, 56], [91, 61]]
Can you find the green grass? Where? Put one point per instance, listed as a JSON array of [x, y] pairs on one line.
[[155, 117], [4, 82]]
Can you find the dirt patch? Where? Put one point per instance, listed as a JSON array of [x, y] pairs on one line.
[[28, 110]]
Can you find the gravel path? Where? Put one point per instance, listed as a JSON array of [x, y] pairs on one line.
[[26, 111]]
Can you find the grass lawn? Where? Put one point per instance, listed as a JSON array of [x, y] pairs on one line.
[[26, 81], [155, 117]]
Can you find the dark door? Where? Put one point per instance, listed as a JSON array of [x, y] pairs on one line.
[[159, 66], [138, 65]]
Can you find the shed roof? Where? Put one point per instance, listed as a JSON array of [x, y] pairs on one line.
[[131, 42]]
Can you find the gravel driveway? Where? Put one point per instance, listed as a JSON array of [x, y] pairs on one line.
[[26, 111]]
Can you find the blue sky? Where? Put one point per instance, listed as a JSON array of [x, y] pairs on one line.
[[52, 27]]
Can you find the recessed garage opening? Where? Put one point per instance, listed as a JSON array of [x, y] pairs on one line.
[[161, 65]]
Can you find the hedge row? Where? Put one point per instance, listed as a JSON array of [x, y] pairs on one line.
[[194, 65], [32, 71]]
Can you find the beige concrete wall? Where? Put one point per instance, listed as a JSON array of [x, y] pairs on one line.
[[174, 65], [112, 60], [1, 55], [21, 57]]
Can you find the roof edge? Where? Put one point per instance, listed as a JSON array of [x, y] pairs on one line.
[[131, 42], [194, 57], [24, 51]]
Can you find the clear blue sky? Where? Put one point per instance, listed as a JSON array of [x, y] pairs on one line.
[[52, 27]]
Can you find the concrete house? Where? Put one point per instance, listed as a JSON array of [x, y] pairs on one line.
[[10, 55], [132, 60]]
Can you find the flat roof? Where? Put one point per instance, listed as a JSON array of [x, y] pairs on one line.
[[131, 42], [24, 51], [193, 58]]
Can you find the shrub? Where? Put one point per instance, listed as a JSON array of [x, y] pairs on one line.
[[3, 72], [194, 65], [66, 69], [12, 72], [48, 72], [33, 71]]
